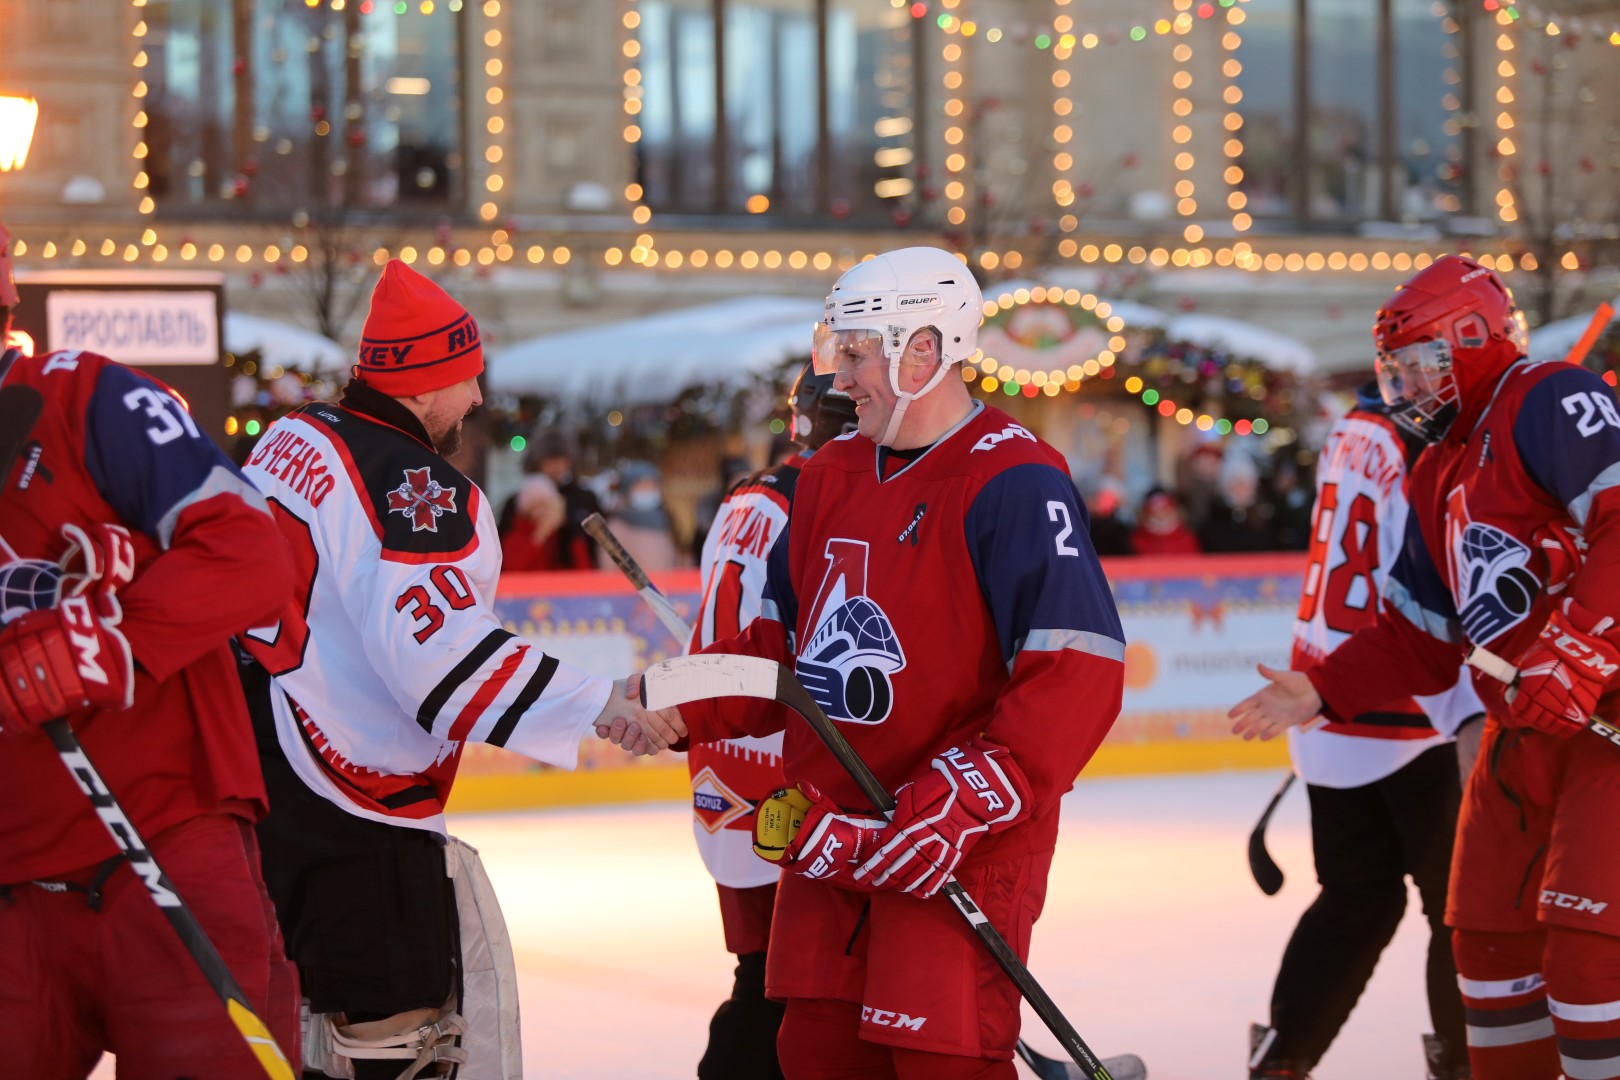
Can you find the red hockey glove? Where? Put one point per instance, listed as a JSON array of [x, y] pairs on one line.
[[1565, 549], [58, 660], [805, 832], [972, 791], [1562, 675]]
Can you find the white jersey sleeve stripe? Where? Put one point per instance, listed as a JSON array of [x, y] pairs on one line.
[[1084, 641], [219, 481], [1582, 506], [503, 727], [434, 703]]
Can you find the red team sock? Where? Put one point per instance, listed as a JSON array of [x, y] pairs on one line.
[[1510, 1034], [1583, 979]]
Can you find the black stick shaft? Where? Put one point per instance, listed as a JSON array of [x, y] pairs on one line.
[[167, 897], [792, 693]]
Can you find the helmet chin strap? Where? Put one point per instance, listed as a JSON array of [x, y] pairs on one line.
[[903, 400]]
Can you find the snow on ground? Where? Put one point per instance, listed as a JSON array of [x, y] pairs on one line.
[[1154, 940]]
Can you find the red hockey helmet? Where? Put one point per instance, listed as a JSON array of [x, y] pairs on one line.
[[1444, 338], [8, 286]]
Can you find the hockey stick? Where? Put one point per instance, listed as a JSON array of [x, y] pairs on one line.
[[693, 678], [1123, 1067], [20, 407], [192, 935], [1589, 336], [1127, 1067], [656, 600], [1497, 668], [1267, 874]]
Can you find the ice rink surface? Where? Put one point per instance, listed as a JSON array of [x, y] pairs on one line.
[[1154, 940]]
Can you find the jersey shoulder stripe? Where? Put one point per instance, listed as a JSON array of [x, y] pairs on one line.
[[421, 507]]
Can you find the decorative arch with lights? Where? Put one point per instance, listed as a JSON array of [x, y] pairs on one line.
[[1050, 340]]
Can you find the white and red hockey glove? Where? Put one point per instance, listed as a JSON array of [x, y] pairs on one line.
[[58, 660], [1562, 675], [802, 830], [971, 791]]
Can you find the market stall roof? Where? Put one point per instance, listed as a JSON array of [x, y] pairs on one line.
[[1553, 341], [652, 359], [1276, 351], [283, 343]]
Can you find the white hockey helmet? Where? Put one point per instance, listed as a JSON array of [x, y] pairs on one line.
[[887, 299]]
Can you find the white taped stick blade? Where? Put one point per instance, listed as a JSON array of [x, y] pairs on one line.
[[1497, 668], [696, 678]]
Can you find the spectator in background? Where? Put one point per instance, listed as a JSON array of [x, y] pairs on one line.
[[640, 521], [1291, 503], [1110, 534], [1198, 479], [733, 470], [1237, 521], [1160, 529], [554, 459], [535, 538]]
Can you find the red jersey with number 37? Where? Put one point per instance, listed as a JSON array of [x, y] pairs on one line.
[[113, 445]]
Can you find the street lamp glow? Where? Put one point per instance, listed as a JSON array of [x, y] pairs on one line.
[[17, 118]]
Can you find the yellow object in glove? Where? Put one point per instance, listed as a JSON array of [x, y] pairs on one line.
[[777, 821]]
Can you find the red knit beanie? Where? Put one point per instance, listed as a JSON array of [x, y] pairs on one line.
[[416, 338]]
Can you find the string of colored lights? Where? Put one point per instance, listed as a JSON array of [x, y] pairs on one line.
[[1555, 23], [958, 142], [1181, 132], [994, 375], [1232, 94], [956, 28], [634, 94], [494, 154], [1097, 32]]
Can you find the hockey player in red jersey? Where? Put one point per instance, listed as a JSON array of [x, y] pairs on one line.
[[388, 660], [732, 776], [1513, 546], [937, 593], [1383, 787], [117, 498]]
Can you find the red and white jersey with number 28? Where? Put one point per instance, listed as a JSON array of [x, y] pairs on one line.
[[1357, 530]]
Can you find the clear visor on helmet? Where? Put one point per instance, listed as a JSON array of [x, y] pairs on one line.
[[1419, 374], [832, 350]]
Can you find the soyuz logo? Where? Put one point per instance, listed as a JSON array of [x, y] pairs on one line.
[[422, 499], [715, 805]]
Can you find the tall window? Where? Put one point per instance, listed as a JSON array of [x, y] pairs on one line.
[[1359, 101], [815, 111], [276, 104]]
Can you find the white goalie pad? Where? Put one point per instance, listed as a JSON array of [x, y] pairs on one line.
[[489, 999], [477, 1038]]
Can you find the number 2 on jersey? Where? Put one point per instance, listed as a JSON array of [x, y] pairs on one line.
[[1357, 561]]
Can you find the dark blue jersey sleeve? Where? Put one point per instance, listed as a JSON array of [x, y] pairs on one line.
[[1568, 435], [1029, 539], [779, 600], [148, 458]]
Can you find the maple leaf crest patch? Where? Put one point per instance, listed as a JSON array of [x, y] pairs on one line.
[[422, 499]]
